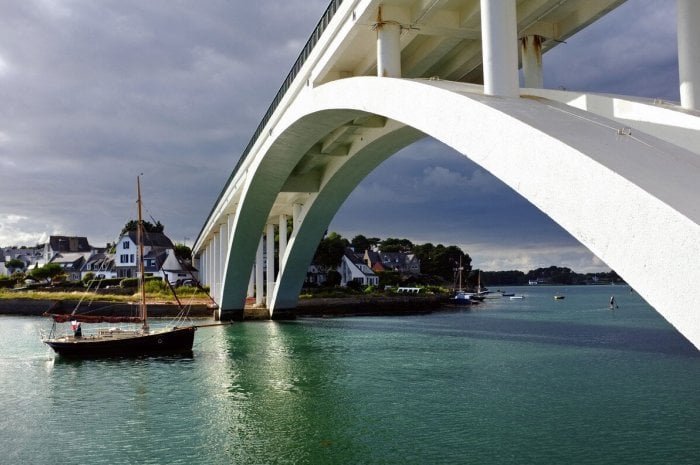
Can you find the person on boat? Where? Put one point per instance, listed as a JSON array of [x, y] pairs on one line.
[[78, 332]]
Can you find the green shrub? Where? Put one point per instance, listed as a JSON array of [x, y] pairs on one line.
[[155, 285], [134, 282]]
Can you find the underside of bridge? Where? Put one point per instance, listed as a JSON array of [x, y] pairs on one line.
[[543, 149], [618, 174]]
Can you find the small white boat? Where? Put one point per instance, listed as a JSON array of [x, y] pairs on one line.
[[517, 297]]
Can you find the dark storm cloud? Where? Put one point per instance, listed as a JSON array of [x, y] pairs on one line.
[[632, 51], [95, 92]]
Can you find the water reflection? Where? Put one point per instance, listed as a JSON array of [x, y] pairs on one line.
[[284, 398]]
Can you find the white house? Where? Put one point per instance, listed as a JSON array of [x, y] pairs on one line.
[[30, 256], [158, 257], [354, 268], [70, 252], [101, 264]]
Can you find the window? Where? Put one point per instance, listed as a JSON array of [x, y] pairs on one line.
[[131, 258], [124, 258], [125, 244]]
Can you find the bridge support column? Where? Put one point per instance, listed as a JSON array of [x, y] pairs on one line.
[[688, 19], [223, 254], [259, 290], [388, 48], [283, 236], [270, 262], [282, 314], [296, 215], [216, 266], [499, 47], [202, 267], [531, 53], [251, 283]]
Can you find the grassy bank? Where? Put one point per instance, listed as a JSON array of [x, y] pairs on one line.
[[74, 295]]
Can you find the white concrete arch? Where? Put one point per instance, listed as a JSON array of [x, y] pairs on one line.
[[339, 181], [263, 180], [630, 198]]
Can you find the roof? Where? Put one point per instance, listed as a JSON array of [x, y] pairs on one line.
[[152, 239], [353, 256], [373, 256], [69, 260], [69, 244]]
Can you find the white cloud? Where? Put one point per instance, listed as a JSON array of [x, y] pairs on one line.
[[20, 230], [576, 257]]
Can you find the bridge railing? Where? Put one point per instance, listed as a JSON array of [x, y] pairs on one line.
[[301, 59]]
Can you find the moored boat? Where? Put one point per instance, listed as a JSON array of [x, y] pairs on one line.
[[118, 341]]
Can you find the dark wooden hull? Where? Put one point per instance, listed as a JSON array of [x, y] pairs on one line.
[[174, 341]]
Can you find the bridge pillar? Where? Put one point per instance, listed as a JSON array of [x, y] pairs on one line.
[[283, 235], [388, 48], [251, 283], [259, 275], [499, 47], [282, 314], [688, 27], [223, 254], [201, 265], [270, 262], [531, 53], [216, 264], [296, 215]]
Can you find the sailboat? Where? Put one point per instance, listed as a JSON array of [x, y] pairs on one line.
[[460, 297], [482, 292], [116, 341]]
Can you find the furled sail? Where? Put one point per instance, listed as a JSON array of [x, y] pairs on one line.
[[65, 317]]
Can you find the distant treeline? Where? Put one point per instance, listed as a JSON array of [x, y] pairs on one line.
[[551, 275], [439, 264]]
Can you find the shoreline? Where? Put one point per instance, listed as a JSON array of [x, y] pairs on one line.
[[315, 307]]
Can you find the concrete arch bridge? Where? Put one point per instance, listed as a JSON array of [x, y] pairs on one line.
[[632, 165]]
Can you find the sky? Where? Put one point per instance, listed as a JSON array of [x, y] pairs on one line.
[[96, 92]]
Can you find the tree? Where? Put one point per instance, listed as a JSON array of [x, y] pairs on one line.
[[361, 243], [330, 251], [132, 225], [392, 244], [89, 276], [15, 264], [183, 252], [50, 272], [438, 260]]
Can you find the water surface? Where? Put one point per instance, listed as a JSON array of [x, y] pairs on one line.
[[510, 382]]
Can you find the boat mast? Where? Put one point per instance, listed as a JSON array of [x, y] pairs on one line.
[[459, 274], [142, 277]]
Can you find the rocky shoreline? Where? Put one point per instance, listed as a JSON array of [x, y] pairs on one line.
[[316, 307]]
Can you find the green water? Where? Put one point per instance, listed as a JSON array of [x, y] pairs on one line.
[[517, 382]]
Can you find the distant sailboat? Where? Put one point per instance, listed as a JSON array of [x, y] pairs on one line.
[[460, 297], [117, 341]]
